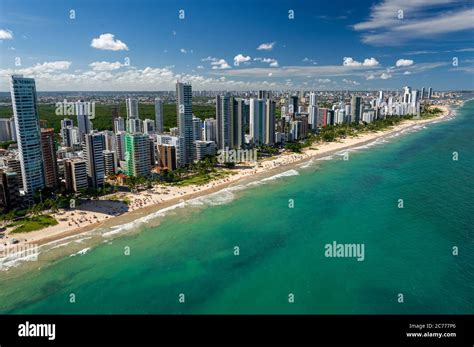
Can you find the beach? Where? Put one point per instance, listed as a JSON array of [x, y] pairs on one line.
[[105, 212]]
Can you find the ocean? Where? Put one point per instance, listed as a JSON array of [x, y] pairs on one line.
[[261, 247]]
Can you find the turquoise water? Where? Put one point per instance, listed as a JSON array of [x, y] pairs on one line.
[[407, 251]]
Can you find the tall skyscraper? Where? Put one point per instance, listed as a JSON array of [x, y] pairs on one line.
[[430, 93], [159, 115], [313, 110], [223, 121], [197, 129], [94, 145], [422, 93], [356, 109], [210, 129], [65, 123], [293, 104], [132, 108], [25, 113], [257, 120], [184, 95], [240, 113], [269, 122], [83, 121], [137, 155], [51, 174]]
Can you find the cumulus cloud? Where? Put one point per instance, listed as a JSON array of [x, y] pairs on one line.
[[404, 62], [324, 80], [272, 62], [220, 64], [105, 65], [6, 34], [182, 50], [385, 76], [370, 77], [240, 58], [107, 42], [268, 46], [368, 62]]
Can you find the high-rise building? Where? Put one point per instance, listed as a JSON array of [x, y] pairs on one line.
[[184, 95], [210, 129], [25, 113], [94, 145], [110, 162], [313, 110], [203, 149], [166, 157], [119, 124], [223, 121], [430, 93], [134, 125], [257, 120], [197, 129], [264, 94], [75, 174], [5, 130], [9, 190], [132, 108], [293, 104], [13, 164], [137, 155], [120, 143], [83, 121], [239, 115], [356, 109], [159, 116], [114, 110], [422, 93], [269, 122], [148, 126], [51, 174], [65, 123]]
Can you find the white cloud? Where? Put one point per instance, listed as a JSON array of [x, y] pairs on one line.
[[105, 65], [421, 19], [369, 62], [209, 58], [404, 62], [354, 83], [324, 80], [272, 62], [220, 65], [370, 77], [385, 76], [199, 67], [407, 73], [240, 58], [6, 34], [266, 46], [107, 42]]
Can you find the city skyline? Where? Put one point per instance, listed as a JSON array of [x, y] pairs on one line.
[[77, 46]]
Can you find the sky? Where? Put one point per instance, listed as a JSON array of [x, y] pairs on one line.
[[147, 45]]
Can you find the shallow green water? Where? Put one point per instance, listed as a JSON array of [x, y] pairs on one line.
[[407, 250]]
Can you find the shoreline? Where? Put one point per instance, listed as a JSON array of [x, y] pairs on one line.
[[109, 213]]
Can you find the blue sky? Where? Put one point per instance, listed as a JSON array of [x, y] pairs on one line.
[[238, 45]]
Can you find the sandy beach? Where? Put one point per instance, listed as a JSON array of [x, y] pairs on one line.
[[92, 214]]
